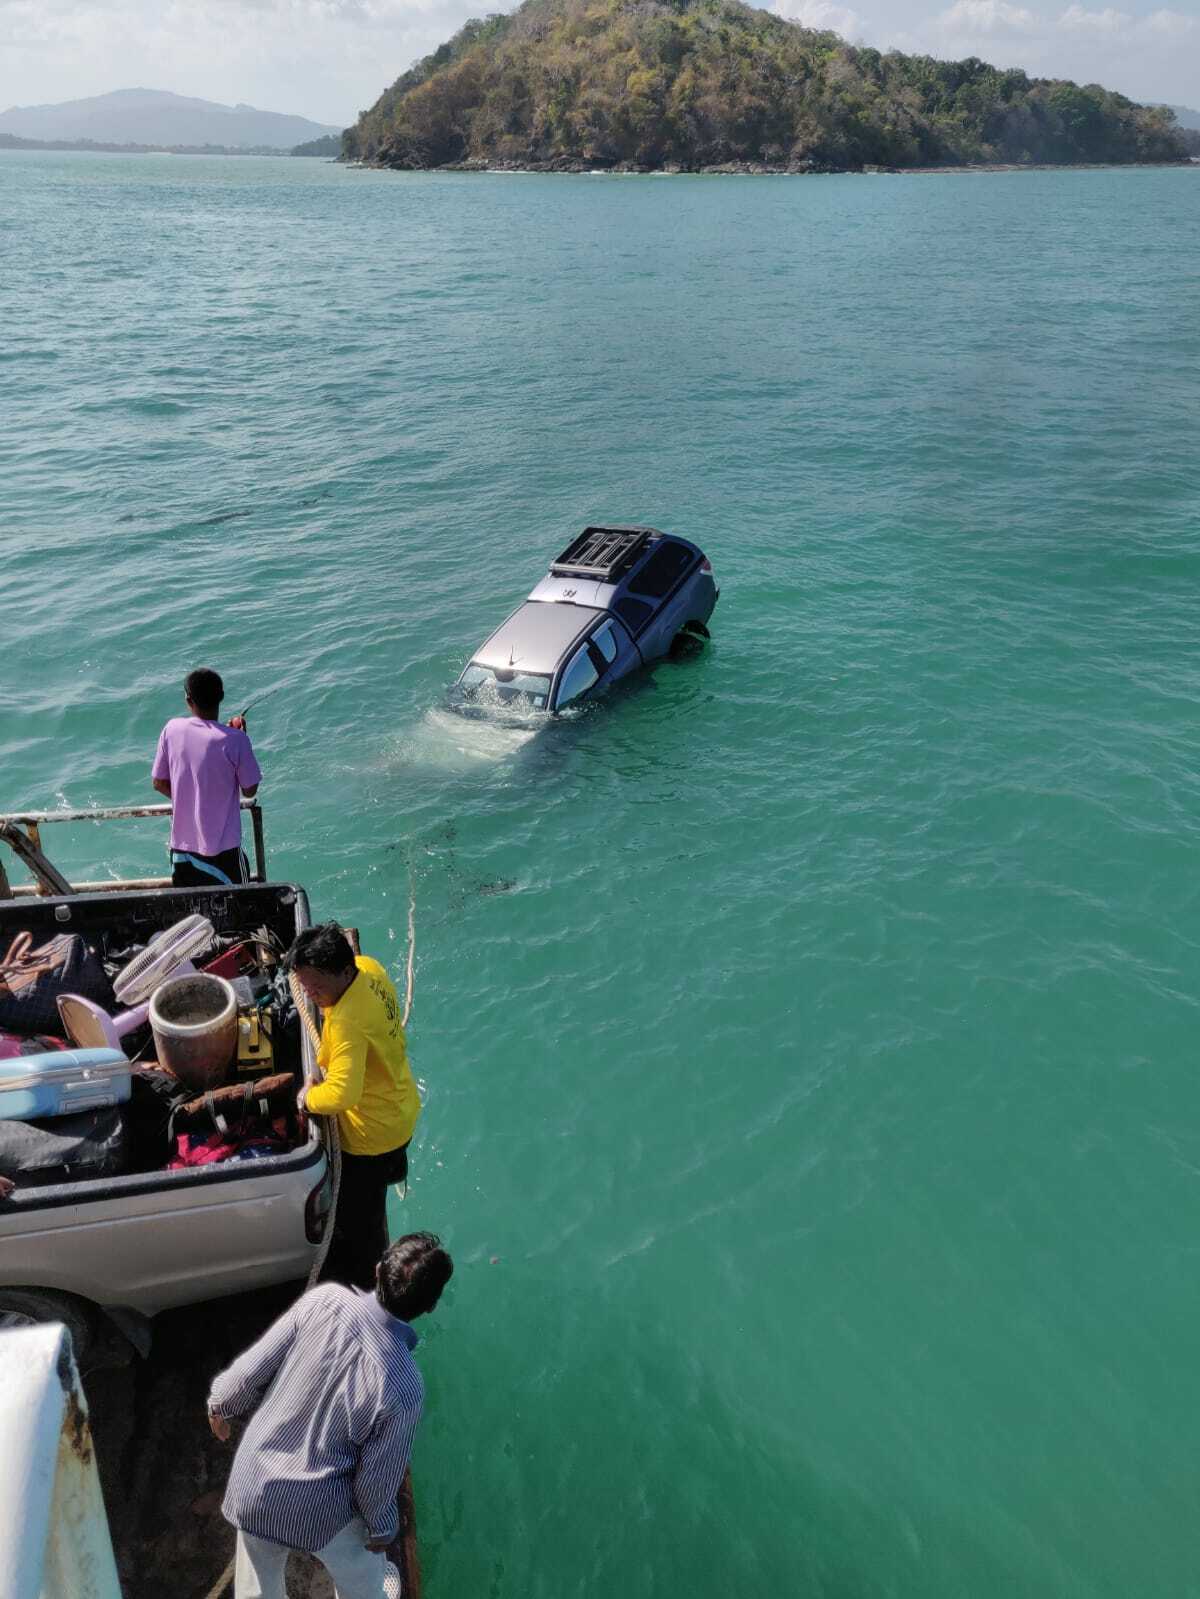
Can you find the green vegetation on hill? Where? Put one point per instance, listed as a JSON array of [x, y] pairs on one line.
[[9, 141], [696, 83], [331, 144]]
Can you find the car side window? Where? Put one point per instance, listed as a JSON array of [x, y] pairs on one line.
[[578, 677], [668, 562], [605, 640], [636, 613]]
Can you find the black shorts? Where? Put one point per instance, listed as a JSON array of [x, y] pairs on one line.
[[360, 1233], [192, 870]]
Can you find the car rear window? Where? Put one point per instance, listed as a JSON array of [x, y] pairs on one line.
[[667, 564]]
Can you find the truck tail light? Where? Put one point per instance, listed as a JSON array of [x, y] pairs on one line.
[[318, 1208]]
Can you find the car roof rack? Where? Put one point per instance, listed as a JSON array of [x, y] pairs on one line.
[[602, 552]]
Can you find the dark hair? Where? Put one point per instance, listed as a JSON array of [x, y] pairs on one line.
[[412, 1274], [204, 688], [326, 947]]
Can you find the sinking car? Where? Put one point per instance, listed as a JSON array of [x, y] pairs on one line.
[[616, 599]]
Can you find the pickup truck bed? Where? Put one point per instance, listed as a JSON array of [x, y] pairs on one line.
[[149, 1240]]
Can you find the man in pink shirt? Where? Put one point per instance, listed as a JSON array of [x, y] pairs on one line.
[[204, 766]]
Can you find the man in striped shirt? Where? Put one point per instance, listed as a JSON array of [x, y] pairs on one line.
[[336, 1398]]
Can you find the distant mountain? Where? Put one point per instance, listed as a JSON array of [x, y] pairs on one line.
[[570, 85], [1185, 117], [154, 117]]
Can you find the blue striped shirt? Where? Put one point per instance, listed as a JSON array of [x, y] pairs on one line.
[[336, 1398]]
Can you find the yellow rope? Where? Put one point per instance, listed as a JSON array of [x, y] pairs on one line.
[[304, 1009], [223, 1580], [412, 947]]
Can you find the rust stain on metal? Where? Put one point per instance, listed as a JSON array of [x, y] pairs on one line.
[[76, 1431], [404, 1552]]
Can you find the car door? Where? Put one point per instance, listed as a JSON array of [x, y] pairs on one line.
[[606, 655], [579, 676], [660, 584]]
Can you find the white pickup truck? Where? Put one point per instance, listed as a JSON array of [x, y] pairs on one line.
[[119, 1249]]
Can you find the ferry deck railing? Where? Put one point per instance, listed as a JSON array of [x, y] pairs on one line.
[[21, 831]]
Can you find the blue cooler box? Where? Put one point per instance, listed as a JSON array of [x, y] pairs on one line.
[[62, 1081]]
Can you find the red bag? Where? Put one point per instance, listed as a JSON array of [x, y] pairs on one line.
[[195, 1151], [14, 1044]]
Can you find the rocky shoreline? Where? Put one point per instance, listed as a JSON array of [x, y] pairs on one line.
[[755, 169]]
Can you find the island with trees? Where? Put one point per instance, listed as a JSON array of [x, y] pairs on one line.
[[703, 85], [330, 145]]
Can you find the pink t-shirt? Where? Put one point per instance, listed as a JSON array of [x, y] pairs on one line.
[[208, 764]]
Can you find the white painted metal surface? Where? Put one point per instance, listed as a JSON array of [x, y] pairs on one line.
[[148, 1246], [54, 1537]]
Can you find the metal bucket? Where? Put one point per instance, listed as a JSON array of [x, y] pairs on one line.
[[194, 1021]]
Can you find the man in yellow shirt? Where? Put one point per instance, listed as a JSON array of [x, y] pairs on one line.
[[368, 1086]]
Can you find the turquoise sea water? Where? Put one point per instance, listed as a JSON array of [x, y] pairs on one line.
[[808, 1032]]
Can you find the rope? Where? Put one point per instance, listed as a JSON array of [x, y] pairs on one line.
[[412, 947], [304, 1009], [222, 1581], [401, 1193]]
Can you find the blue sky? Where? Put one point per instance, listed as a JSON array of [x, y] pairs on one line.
[[327, 59]]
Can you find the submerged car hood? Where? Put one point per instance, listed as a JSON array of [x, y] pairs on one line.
[[535, 638]]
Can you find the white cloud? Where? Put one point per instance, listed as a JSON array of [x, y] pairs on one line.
[[1077, 19], [988, 16], [821, 14], [1152, 56], [324, 59], [1172, 23], [1119, 24]]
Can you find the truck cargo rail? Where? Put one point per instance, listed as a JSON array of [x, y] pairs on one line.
[[21, 831]]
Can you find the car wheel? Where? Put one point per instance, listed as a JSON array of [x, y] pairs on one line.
[[33, 1307], [688, 640]]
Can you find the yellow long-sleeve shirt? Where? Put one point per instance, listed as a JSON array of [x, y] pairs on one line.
[[368, 1083]]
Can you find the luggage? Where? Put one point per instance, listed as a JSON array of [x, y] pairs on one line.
[[33, 976], [65, 1149], [62, 1081]]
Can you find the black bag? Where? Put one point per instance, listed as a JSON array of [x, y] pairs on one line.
[[32, 976], [62, 1149], [154, 1097]]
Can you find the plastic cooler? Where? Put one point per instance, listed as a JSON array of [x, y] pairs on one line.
[[61, 1082]]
